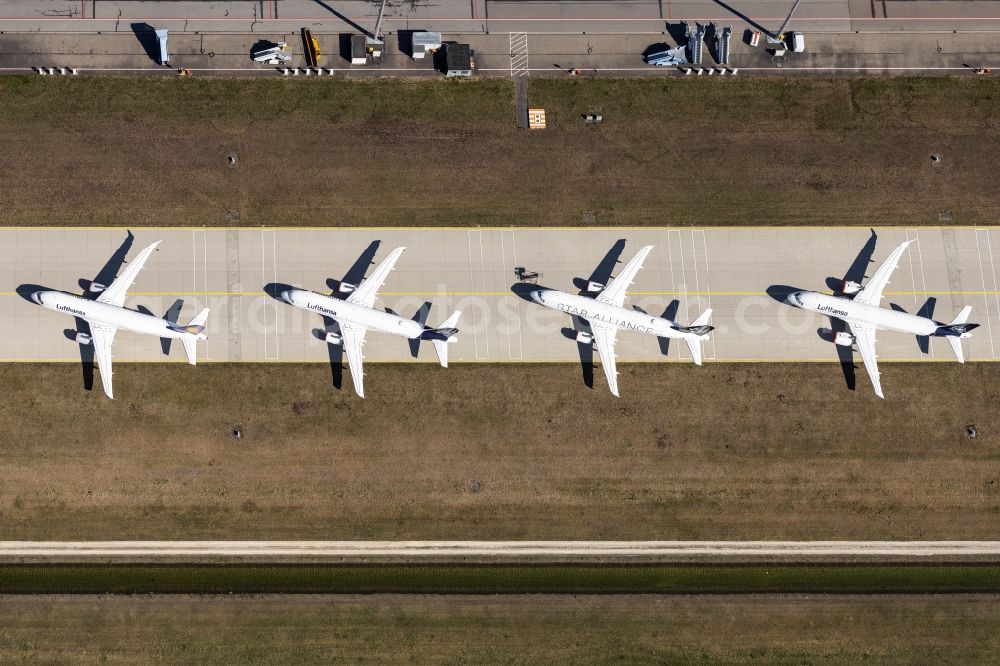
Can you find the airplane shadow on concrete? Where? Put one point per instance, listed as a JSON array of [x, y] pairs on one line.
[[926, 310], [109, 271], [858, 269], [171, 315], [105, 277], [420, 316], [334, 352], [355, 275], [601, 275], [669, 313], [780, 292]]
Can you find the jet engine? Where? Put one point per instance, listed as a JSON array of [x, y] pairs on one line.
[[81, 338], [594, 287], [346, 287], [849, 287], [584, 337], [96, 287], [843, 339], [332, 338]]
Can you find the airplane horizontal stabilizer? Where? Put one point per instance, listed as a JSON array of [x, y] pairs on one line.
[[441, 347], [442, 335], [701, 329], [196, 326], [191, 349]]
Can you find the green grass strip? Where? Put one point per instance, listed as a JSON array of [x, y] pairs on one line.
[[221, 579]]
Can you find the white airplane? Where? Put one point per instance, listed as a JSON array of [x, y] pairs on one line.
[[604, 313], [355, 315], [859, 309], [107, 314]]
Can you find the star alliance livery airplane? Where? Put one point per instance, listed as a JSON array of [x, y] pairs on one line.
[[106, 315], [355, 315], [859, 309], [605, 315]]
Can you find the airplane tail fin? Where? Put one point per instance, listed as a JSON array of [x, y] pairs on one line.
[[963, 316], [699, 329], [195, 328], [442, 335], [954, 332], [200, 320]]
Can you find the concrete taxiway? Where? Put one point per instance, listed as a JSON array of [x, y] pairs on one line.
[[498, 551], [728, 269]]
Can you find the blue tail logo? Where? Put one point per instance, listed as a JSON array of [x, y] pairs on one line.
[[957, 330]]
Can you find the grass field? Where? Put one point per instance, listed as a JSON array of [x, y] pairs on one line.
[[389, 629], [141, 151], [777, 451], [498, 579]]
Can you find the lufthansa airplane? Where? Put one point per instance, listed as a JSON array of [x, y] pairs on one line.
[[355, 315], [603, 311], [859, 309], [106, 315]]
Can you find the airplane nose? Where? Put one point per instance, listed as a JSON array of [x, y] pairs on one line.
[[536, 296]]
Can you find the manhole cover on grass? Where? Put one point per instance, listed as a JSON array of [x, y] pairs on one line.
[[944, 216], [233, 216]]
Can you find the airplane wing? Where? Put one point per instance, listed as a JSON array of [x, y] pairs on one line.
[[101, 337], [365, 293], [872, 293], [354, 340], [614, 293], [604, 339], [864, 336], [115, 293]]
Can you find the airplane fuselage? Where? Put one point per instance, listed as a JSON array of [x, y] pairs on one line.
[[350, 313], [885, 319], [120, 318], [594, 310]]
